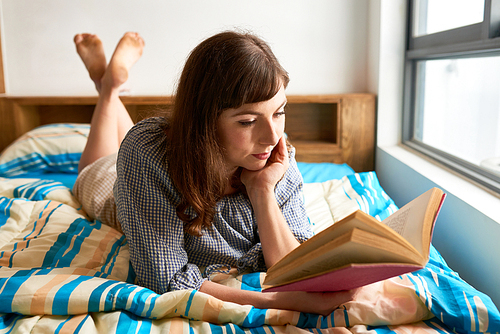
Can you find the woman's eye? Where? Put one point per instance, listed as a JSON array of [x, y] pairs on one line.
[[279, 114], [246, 123]]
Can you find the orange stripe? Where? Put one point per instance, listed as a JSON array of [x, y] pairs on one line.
[[40, 296], [4, 260], [27, 136], [83, 272], [96, 260], [212, 309], [41, 223], [176, 326], [280, 317], [72, 324], [48, 135], [21, 245]]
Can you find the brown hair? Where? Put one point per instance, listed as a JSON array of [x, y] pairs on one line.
[[225, 71]]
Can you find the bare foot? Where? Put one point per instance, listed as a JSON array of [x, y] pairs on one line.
[[127, 52], [91, 51]]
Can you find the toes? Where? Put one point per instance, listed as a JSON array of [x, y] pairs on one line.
[[78, 38]]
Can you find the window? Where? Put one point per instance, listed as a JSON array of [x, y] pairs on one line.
[[452, 85]]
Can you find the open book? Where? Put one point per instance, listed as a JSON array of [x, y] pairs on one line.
[[359, 250]]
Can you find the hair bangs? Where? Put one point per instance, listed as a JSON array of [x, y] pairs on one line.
[[262, 84], [255, 77]]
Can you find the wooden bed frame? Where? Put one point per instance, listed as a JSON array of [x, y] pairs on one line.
[[323, 128]]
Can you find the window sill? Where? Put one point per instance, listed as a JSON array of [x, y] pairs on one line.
[[482, 199]]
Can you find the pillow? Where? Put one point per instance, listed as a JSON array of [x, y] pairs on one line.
[[53, 148], [330, 201], [323, 171]]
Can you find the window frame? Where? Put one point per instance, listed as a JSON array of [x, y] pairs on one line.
[[475, 40]]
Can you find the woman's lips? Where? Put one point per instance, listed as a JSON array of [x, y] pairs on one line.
[[262, 156]]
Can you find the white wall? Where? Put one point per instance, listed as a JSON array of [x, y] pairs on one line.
[[322, 43]]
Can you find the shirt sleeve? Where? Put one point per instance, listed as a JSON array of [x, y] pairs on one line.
[[289, 196], [146, 202]]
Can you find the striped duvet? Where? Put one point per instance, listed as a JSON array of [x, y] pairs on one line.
[[61, 273]]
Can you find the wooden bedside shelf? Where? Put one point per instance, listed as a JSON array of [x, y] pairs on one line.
[[323, 128]]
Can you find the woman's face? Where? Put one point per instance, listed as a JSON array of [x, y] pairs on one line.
[[248, 134]]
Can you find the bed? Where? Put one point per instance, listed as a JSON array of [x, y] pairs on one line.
[[63, 273]]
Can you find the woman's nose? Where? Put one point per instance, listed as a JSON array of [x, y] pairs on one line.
[[270, 134]]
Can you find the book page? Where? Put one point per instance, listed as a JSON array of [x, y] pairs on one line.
[[414, 221], [399, 222]]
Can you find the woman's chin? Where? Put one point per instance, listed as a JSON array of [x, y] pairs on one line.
[[256, 167]]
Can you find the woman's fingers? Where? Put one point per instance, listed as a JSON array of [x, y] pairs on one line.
[[280, 153]]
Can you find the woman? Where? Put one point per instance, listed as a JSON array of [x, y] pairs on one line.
[[213, 186]]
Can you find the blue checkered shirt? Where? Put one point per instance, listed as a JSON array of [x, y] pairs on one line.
[[163, 256]]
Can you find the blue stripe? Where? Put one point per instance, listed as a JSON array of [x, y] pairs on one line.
[[447, 299], [123, 296], [35, 224], [10, 287], [127, 323], [80, 325], [139, 301], [308, 320], [272, 329], [77, 329], [110, 296], [346, 194], [61, 325], [119, 295], [190, 300], [346, 316], [371, 196], [255, 317], [380, 329], [95, 297], [113, 254], [357, 187], [261, 329], [131, 276], [152, 303], [237, 329], [57, 255], [38, 190], [65, 162], [23, 273], [9, 321], [5, 206], [68, 257], [251, 282], [63, 294], [216, 329], [146, 325]]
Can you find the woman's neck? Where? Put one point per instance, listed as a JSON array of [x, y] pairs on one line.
[[233, 184]]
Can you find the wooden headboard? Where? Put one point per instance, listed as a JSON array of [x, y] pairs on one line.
[[323, 128]]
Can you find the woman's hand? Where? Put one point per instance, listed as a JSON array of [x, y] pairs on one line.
[[267, 177], [275, 236], [322, 303]]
